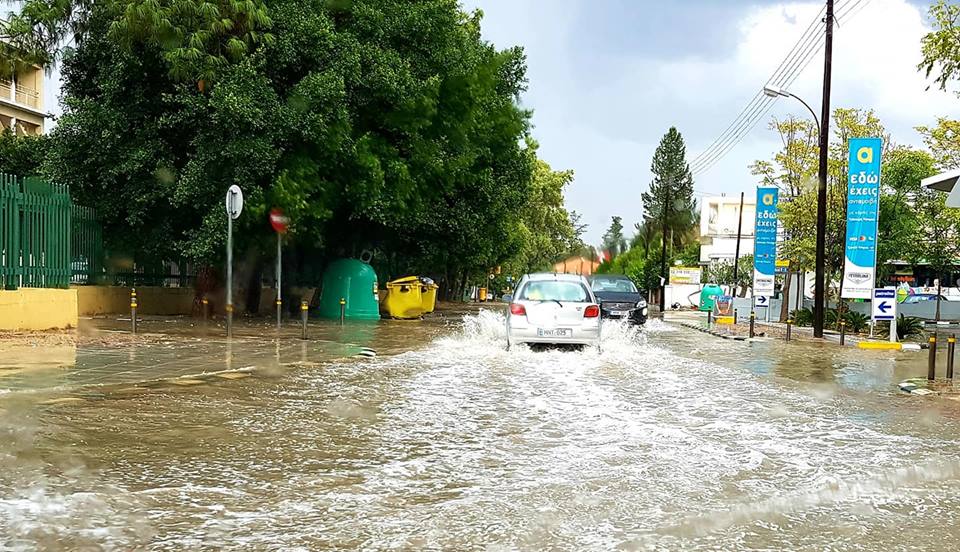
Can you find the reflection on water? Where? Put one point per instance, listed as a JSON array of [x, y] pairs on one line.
[[667, 439]]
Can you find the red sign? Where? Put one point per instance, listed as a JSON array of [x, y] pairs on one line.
[[278, 221]]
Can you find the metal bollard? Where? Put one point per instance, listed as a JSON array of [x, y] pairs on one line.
[[279, 313], [206, 309], [709, 318], [343, 309], [734, 316], [951, 348], [229, 321], [789, 326], [133, 309], [753, 317], [303, 319], [843, 332], [932, 359]]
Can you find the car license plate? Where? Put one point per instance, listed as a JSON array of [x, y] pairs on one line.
[[555, 332], [620, 313]]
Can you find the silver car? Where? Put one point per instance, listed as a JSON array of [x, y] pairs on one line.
[[555, 309]]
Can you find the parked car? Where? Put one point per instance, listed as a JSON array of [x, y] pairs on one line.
[[619, 298], [557, 309]]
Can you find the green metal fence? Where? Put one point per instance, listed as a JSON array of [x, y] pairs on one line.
[[45, 241], [86, 247]]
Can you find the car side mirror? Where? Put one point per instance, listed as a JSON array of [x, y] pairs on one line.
[[508, 298]]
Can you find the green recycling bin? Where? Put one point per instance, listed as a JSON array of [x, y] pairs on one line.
[[355, 282], [708, 296]]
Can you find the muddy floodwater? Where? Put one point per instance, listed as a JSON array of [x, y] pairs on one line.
[[668, 439]]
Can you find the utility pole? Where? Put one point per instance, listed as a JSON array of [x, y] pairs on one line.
[[736, 255], [663, 254], [820, 295]]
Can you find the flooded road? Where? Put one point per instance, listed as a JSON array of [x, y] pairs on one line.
[[668, 439]]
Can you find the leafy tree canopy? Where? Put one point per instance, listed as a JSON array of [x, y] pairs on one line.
[[941, 47]]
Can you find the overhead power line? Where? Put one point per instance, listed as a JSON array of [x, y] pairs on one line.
[[759, 100], [792, 66]]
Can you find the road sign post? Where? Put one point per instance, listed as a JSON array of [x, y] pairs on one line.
[[279, 223], [765, 244], [234, 204], [884, 308]]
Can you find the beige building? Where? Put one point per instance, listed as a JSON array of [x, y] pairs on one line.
[[21, 102], [719, 217]]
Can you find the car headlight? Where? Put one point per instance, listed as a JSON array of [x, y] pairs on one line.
[[641, 304]]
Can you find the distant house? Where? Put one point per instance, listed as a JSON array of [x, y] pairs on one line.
[[21, 102], [719, 217], [577, 265]]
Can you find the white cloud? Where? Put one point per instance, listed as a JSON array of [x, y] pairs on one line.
[[605, 124]]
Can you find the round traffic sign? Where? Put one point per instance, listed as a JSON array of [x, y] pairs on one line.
[[278, 221], [234, 201]]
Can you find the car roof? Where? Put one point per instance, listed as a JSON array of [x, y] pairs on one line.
[[610, 277], [547, 276]]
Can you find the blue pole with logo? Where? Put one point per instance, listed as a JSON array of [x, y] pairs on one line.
[[863, 213], [765, 247]]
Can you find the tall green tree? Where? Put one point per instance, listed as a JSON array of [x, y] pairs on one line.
[[613, 241], [375, 124], [197, 39], [943, 141], [941, 47], [670, 196], [548, 230], [900, 227]]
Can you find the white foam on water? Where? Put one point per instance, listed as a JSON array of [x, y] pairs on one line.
[[461, 444]]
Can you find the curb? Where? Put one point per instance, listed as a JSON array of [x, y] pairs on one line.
[[714, 333]]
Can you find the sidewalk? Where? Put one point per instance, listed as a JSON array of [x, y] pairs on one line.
[[770, 330]]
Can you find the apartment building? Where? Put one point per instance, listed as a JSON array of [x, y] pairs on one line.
[[21, 102], [719, 217]]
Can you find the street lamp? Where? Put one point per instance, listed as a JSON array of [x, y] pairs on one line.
[[773, 91], [819, 291]]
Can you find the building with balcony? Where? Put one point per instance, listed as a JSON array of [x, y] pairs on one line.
[[21, 102], [719, 217]]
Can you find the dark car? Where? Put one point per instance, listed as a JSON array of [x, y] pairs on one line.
[[619, 298]]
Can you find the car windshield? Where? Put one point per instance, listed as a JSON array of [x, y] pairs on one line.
[[618, 285], [569, 292]]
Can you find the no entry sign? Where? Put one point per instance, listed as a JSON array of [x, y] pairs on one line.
[[279, 221]]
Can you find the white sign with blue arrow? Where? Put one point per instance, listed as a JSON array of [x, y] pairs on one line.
[[761, 301], [884, 304]]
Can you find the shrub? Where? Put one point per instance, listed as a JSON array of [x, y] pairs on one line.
[[856, 322], [802, 317]]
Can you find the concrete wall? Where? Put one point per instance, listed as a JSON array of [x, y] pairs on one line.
[[94, 300], [171, 301], [29, 309]]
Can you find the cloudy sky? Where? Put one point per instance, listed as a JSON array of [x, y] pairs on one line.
[[609, 77]]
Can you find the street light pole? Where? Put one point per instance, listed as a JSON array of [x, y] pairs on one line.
[[823, 126], [819, 292]]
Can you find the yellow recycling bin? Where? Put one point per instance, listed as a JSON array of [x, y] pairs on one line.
[[428, 291], [482, 295], [404, 298]]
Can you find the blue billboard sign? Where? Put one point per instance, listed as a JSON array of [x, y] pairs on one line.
[[863, 210], [765, 242]]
